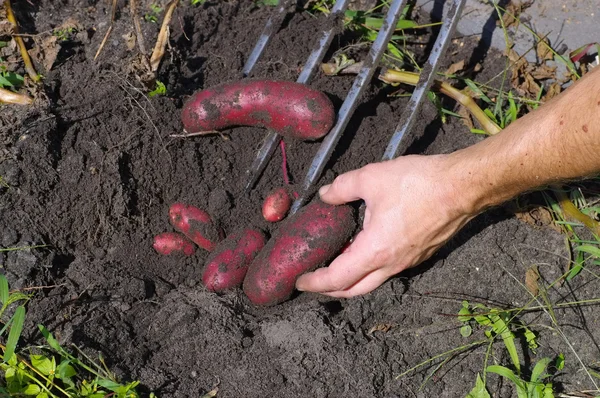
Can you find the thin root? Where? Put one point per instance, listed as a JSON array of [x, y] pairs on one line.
[[163, 37], [24, 54], [185, 134]]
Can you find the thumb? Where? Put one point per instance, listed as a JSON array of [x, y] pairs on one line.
[[345, 188]]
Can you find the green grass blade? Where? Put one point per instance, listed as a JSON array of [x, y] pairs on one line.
[[593, 250], [510, 375], [4, 293], [52, 342], [15, 332], [539, 369]]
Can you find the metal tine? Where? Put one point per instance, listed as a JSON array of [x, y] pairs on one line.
[[425, 80], [316, 56], [351, 101], [273, 24]]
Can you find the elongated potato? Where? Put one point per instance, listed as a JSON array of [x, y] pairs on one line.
[[304, 241], [172, 242], [291, 109], [196, 224], [227, 265]]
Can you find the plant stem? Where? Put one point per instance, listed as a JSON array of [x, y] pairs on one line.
[[24, 54], [412, 78]]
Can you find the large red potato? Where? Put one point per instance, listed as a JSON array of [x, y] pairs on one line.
[[291, 109], [304, 241], [196, 224], [227, 265]]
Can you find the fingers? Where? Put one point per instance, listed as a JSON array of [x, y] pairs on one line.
[[345, 188], [342, 273], [366, 285]]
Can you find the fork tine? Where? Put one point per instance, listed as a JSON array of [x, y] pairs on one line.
[[409, 115], [272, 25], [316, 56], [351, 101]]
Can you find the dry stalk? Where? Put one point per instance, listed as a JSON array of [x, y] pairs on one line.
[[573, 213], [163, 37], [14, 98], [110, 28], [138, 28], [24, 54], [411, 78]]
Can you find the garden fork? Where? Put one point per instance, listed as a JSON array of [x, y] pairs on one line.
[[360, 83]]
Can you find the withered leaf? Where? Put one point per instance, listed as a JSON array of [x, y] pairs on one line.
[[456, 67], [531, 280], [552, 91], [543, 50], [544, 72], [46, 51], [382, 327]]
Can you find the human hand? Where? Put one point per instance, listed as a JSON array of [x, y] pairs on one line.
[[414, 204]]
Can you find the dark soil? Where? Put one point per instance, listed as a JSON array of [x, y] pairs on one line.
[[90, 171]]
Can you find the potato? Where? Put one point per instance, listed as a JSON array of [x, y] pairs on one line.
[[227, 265], [196, 224], [304, 241], [290, 109], [276, 205], [173, 242]]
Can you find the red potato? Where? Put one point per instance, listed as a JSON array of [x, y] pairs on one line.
[[227, 265], [276, 205], [291, 109], [196, 224], [304, 241], [173, 242]]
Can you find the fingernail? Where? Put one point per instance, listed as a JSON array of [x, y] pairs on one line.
[[323, 190]]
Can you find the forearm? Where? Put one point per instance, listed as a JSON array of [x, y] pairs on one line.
[[559, 141]]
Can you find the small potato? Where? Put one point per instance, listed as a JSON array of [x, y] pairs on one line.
[[196, 224], [276, 205], [173, 242], [227, 265], [304, 241], [291, 109]]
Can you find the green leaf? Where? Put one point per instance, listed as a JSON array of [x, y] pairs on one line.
[[32, 389], [159, 90], [4, 82], [15, 332], [65, 370], [43, 394], [109, 384], [42, 363], [593, 250], [466, 330], [509, 374], [477, 91], [559, 363], [50, 338], [4, 293], [501, 328], [479, 391], [531, 339], [539, 369], [577, 267]]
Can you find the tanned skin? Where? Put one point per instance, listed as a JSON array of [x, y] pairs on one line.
[[415, 204]]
